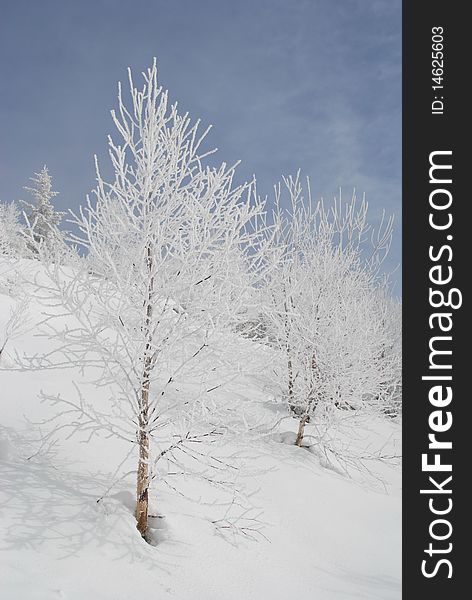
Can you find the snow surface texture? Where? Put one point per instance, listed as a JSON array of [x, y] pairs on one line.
[[64, 534]]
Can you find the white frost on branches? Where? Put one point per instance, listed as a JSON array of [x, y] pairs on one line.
[[173, 247], [322, 309]]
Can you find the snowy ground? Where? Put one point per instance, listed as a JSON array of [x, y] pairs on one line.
[[320, 534]]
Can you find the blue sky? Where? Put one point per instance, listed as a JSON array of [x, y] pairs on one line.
[[310, 84]]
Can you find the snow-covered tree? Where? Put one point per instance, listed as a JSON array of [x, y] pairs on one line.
[[172, 247], [43, 220], [12, 233], [321, 305]]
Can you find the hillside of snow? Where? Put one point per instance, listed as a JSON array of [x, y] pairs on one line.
[[310, 529]]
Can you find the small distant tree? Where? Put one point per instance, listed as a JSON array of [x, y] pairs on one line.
[[42, 218], [12, 233], [172, 247], [320, 305]]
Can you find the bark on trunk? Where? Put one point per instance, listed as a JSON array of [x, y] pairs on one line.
[[142, 483], [291, 402], [290, 378], [301, 430], [310, 408]]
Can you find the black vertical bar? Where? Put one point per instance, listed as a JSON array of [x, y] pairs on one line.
[[435, 120]]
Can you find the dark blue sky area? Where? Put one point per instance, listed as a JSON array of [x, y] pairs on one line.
[[310, 84]]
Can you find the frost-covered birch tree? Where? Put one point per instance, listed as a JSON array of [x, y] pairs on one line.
[[172, 246], [321, 306]]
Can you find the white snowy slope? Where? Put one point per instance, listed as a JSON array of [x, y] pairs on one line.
[[318, 533]]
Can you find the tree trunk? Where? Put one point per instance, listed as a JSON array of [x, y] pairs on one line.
[[310, 407], [301, 430], [142, 483], [291, 403], [290, 377]]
